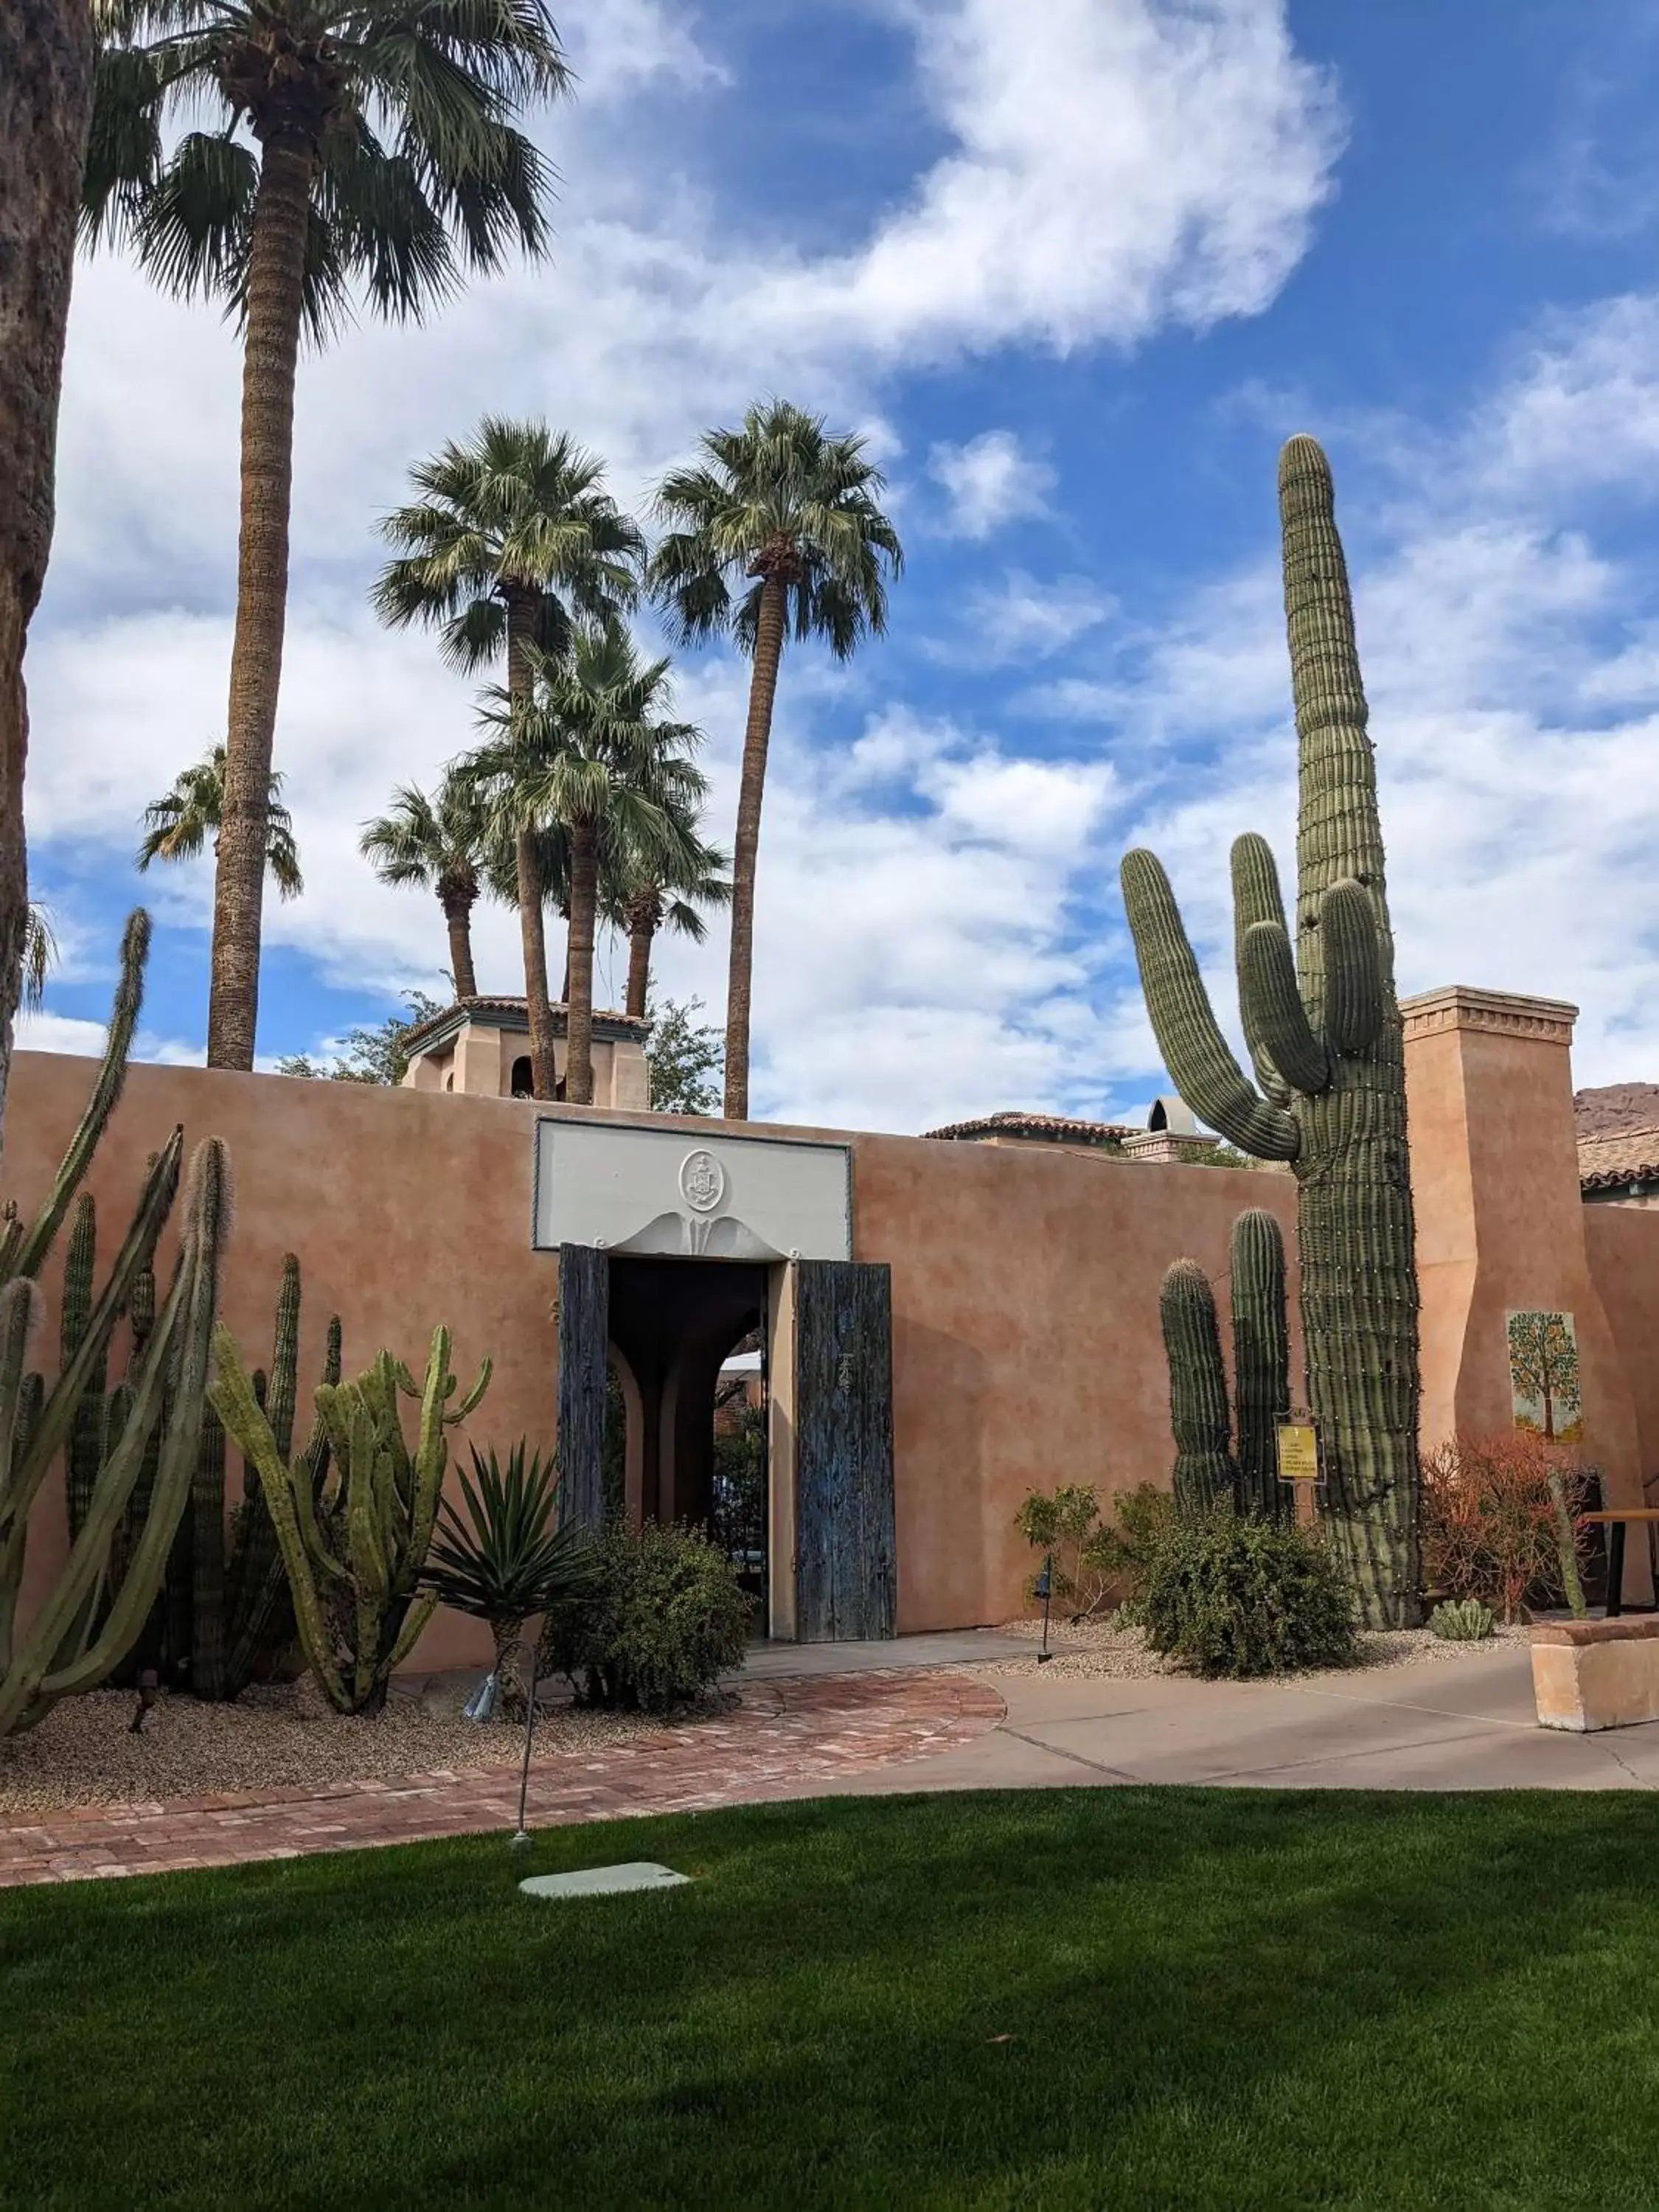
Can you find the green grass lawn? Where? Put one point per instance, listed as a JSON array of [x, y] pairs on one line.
[[1080, 1998]]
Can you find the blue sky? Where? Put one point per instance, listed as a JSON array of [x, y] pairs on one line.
[[1076, 271]]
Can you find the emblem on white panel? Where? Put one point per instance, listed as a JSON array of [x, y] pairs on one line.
[[702, 1181]]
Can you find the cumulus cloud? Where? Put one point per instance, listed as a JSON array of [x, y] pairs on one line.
[[989, 482]]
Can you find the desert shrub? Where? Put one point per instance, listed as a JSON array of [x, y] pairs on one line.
[[1231, 1595], [663, 1621], [1461, 1620], [1489, 1523], [1096, 1562]]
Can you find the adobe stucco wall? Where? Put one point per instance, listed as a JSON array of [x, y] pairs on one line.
[[1025, 1286], [1624, 1262], [1026, 1346]]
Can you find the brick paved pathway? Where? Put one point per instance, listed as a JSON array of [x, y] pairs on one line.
[[785, 1740]]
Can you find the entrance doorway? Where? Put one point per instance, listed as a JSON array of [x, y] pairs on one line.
[[664, 1326]]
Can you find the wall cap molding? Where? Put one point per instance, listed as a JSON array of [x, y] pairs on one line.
[[1508, 1013]]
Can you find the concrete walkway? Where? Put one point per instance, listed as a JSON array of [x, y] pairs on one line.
[[1466, 1724]]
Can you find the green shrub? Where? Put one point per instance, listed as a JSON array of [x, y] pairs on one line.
[[663, 1619], [1097, 1562], [1461, 1620], [1231, 1595]]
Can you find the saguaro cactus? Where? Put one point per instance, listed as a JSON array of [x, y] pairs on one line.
[[1204, 1470], [1324, 1033], [354, 1552], [1207, 1467]]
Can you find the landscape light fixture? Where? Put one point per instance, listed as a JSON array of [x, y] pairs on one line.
[[1044, 1588], [520, 1841]]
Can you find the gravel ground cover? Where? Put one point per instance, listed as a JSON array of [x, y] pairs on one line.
[[1095, 1648], [285, 1737]]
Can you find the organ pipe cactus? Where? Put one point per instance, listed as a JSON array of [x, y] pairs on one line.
[[1323, 1030], [354, 1547], [240, 1608], [82, 1629], [1207, 1467]]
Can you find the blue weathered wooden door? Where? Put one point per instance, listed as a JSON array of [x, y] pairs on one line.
[[584, 1365], [846, 1583]]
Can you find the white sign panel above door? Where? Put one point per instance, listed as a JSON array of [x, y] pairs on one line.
[[675, 1192]]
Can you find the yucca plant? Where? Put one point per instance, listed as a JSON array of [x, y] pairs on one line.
[[509, 1560]]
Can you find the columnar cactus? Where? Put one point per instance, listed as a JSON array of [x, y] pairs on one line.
[[71, 1644], [1324, 1033], [1261, 1360], [354, 1551], [1206, 1467]]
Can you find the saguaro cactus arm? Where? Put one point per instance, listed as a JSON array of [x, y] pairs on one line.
[[1199, 1420], [1256, 897], [1261, 1356], [1195, 1051], [1277, 1015], [1353, 968]]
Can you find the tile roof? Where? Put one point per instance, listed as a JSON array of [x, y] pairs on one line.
[[1052, 1128], [1628, 1155]]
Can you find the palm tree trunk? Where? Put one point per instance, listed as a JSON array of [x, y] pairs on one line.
[[579, 991], [642, 928], [532, 924], [757, 734], [47, 50], [458, 914], [277, 261]]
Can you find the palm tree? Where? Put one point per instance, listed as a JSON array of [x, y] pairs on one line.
[[178, 824], [360, 145], [40, 956], [436, 845], [513, 541], [778, 507], [46, 50], [591, 752], [652, 898]]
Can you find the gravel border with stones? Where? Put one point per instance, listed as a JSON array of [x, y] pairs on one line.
[[282, 1737], [1095, 1648]]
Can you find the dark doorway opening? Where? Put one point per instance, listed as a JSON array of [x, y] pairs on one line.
[[672, 1325]]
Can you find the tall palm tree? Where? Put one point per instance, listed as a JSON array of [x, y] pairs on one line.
[[513, 541], [46, 53], [655, 898], [591, 751], [178, 824], [436, 845], [791, 514], [40, 956], [360, 146]]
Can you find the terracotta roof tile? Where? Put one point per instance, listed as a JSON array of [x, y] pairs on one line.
[[1629, 1156], [1055, 1128]]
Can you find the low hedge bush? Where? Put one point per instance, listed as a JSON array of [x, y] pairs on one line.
[[664, 1619], [1230, 1594]]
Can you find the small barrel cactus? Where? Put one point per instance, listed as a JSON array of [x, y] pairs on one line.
[[1461, 1620]]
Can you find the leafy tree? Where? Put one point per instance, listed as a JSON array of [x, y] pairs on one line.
[[591, 752], [511, 543], [682, 1058], [46, 50], [775, 529], [1544, 1368], [370, 1055], [178, 824], [435, 845], [363, 148]]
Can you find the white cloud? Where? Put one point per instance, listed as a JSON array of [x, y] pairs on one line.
[[46, 1031], [990, 482], [1022, 619]]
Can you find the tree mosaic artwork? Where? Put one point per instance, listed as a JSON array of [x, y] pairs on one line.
[[1544, 1382]]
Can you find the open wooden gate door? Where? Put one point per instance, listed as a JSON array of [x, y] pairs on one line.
[[584, 1365], [845, 1575]]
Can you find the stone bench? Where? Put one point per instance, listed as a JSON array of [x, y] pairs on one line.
[[1596, 1673]]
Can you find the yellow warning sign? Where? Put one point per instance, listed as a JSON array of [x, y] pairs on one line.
[[1298, 1455]]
